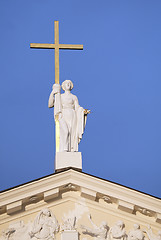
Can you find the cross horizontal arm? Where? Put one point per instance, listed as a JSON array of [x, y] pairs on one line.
[[61, 46], [41, 45], [71, 46]]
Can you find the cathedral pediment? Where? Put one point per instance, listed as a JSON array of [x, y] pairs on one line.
[[76, 201]]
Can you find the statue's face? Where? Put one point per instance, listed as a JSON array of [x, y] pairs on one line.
[[47, 212], [103, 225], [120, 224], [67, 85], [136, 226]]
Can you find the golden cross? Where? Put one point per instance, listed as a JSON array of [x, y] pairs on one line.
[[56, 46]]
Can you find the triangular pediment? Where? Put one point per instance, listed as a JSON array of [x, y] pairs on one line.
[[73, 194]]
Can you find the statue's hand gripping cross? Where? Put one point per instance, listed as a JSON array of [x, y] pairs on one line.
[[56, 46]]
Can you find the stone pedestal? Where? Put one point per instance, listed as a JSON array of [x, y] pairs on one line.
[[64, 160], [69, 235]]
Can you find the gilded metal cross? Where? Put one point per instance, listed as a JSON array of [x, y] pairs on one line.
[[56, 46]]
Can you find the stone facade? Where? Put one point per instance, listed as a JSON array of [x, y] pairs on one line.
[[74, 205]]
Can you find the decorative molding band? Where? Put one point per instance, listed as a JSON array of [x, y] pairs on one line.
[[89, 187], [51, 194], [88, 193], [14, 207], [158, 218], [125, 206]]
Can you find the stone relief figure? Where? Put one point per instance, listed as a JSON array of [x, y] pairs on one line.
[[136, 233], [118, 231], [72, 117], [9, 233], [45, 226], [68, 223], [100, 233], [151, 235], [16, 231]]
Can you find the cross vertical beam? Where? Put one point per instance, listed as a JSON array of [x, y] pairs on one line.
[[56, 33], [56, 46]]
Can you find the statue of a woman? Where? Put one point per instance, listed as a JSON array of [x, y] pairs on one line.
[[72, 117]]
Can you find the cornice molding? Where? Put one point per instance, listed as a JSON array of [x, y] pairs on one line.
[[51, 187]]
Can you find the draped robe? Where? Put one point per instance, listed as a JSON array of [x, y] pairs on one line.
[[72, 120]]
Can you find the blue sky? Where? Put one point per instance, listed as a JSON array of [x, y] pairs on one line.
[[117, 76]]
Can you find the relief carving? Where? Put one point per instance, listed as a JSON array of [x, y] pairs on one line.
[[118, 231], [136, 233], [70, 187], [72, 216], [151, 235], [16, 231], [107, 199], [99, 232], [145, 212], [44, 227], [68, 223]]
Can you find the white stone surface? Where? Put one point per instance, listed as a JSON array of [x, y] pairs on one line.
[[68, 223], [45, 225], [69, 235], [118, 231], [68, 159], [151, 235], [98, 232], [136, 233], [72, 117]]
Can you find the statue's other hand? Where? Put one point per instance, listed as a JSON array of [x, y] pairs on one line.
[[86, 111], [60, 116], [56, 88]]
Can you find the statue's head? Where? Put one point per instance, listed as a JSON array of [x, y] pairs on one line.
[[46, 212], [136, 226], [104, 225], [67, 85], [120, 224]]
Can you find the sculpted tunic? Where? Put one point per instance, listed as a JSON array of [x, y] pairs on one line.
[[71, 118]]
